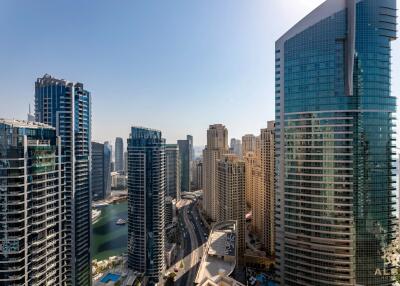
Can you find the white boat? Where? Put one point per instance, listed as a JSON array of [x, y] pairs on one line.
[[99, 205], [120, 221], [95, 215]]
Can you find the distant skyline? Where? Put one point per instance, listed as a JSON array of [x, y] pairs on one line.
[[177, 66]]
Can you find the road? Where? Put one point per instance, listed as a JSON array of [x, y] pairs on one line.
[[194, 235]]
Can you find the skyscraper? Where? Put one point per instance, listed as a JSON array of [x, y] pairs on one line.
[[334, 144], [119, 154], [236, 147], [251, 161], [67, 107], [248, 144], [31, 117], [217, 145], [197, 174], [172, 172], [185, 155], [146, 202], [231, 195], [32, 205], [101, 171], [263, 205]]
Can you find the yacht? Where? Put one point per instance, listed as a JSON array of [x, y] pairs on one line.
[[95, 215], [121, 221]]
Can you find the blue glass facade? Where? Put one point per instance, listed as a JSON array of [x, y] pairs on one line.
[[185, 155], [146, 203], [67, 107], [101, 171], [119, 154], [335, 186]]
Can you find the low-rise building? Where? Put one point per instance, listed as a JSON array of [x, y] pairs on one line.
[[220, 252]]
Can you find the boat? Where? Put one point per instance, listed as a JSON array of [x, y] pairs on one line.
[[121, 221], [95, 215], [98, 205]]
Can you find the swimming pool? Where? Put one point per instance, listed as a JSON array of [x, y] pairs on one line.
[[110, 277]]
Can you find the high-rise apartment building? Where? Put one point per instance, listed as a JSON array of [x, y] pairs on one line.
[[67, 107], [172, 172], [191, 148], [217, 145], [197, 174], [32, 214], [119, 154], [236, 147], [263, 200], [248, 144], [334, 145], [169, 210], [231, 195], [146, 202], [185, 155], [101, 171], [251, 161]]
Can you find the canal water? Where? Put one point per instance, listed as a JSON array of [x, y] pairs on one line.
[[110, 239]]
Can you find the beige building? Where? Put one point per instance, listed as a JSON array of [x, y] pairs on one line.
[[231, 194], [263, 190], [248, 144], [250, 161], [217, 145]]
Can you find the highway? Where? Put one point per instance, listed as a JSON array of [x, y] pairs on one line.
[[193, 236]]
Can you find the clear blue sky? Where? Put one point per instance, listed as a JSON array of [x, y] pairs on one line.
[[174, 65]]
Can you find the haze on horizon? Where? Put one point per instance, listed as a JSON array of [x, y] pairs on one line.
[[177, 65]]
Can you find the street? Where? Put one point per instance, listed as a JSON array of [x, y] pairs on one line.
[[193, 236]]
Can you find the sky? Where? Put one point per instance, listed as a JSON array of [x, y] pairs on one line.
[[174, 65]]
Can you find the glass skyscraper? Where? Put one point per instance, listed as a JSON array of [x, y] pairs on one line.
[[67, 107], [172, 172], [101, 171], [146, 203], [119, 154], [32, 210], [185, 158], [335, 195]]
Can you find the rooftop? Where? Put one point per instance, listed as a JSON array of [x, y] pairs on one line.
[[24, 124], [220, 253], [220, 280]]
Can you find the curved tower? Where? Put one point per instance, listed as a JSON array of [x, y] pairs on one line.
[[335, 194]]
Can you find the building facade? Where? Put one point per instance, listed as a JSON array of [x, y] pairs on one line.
[[248, 144], [67, 107], [32, 205], [101, 171], [146, 202], [231, 195], [217, 145], [119, 154], [197, 174], [185, 155], [264, 198], [236, 147], [172, 172], [334, 144], [251, 161], [169, 210]]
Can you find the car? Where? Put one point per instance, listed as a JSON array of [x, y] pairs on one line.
[[176, 269]]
